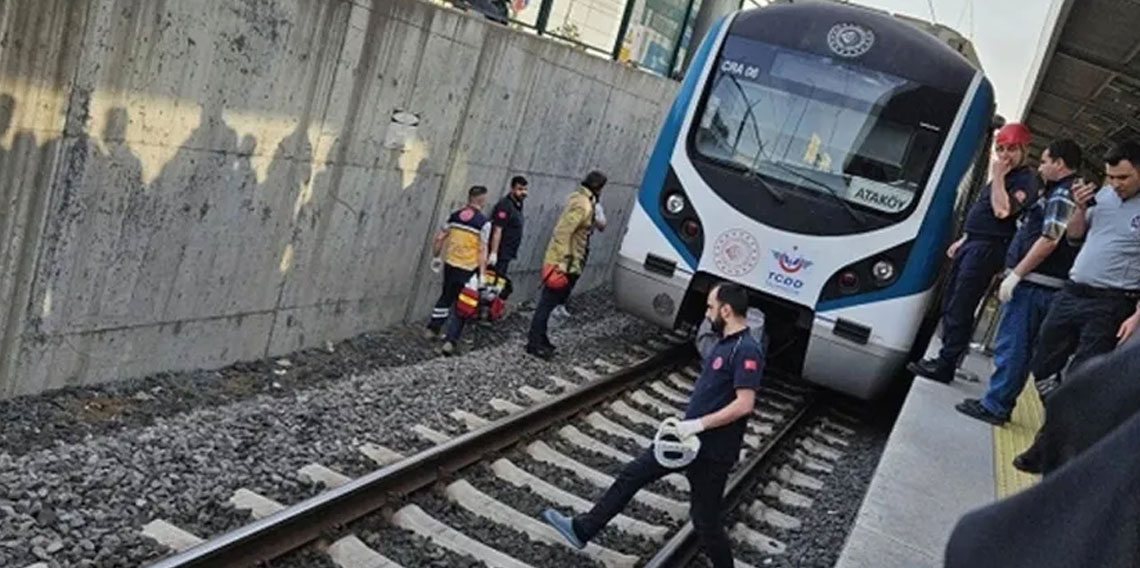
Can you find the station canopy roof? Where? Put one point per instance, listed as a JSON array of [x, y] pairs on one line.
[[1088, 86]]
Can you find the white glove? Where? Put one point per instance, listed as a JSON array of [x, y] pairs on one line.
[[599, 214], [1005, 291], [436, 264], [686, 428], [493, 259]]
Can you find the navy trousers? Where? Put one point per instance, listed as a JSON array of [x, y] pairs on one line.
[[977, 263], [547, 301], [1078, 325], [706, 479], [454, 279]]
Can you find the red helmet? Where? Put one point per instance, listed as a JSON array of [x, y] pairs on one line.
[[1014, 134]]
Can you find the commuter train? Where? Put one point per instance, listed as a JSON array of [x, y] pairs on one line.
[[820, 155]]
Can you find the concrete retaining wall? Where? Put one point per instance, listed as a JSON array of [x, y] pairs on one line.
[[187, 184]]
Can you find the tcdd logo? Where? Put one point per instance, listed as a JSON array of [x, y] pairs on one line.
[[789, 264], [785, 281]]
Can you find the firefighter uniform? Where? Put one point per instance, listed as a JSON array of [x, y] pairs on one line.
[[567, 253], [980, 258]]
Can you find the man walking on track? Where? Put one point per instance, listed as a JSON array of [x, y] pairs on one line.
[[599, 225], [717, 415], [460, 248], [565, 259]]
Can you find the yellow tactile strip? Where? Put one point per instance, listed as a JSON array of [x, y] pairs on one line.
[[1012, 439]]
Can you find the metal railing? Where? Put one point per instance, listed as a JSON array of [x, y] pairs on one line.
[[651, 13]]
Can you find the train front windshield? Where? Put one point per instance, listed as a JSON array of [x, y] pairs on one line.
[[853, 138]]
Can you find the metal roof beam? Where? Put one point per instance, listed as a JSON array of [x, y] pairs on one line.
[[1093, 106], [1099, 62], [1062, 122], [1042, 136]]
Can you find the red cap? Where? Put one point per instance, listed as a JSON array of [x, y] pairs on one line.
[[1014, 134]]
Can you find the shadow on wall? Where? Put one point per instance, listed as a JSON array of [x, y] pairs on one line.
[[204, 239], [122, 268], [290, 248]]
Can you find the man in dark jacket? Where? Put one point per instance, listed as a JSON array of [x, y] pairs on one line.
[[1039, 260], [980, 254]]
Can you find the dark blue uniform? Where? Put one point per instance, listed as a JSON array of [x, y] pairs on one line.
[[978, 260], [1023, 315], [736, 362], [508, 216]]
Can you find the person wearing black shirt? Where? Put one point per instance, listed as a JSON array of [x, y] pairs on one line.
[[718, 411], [507, 230], [1039, 259], [979, 254]]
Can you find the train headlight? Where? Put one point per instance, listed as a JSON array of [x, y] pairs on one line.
[[883, 271], [675, 204]]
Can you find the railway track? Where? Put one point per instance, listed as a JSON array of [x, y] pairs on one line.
[[475, 499]]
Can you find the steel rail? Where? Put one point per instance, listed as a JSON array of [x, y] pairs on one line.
[[306, 521]]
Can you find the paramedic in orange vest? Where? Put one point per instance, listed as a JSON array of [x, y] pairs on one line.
[[460, 247], [565, 258]]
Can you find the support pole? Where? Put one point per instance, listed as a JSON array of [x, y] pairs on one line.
[[623, 28], [680, 38], [543, 16], [710, 12]]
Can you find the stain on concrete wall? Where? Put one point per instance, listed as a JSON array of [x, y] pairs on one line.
[[187, 184]]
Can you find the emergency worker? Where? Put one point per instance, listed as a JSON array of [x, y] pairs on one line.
[[600, 226], [1097, 308], [507, 230], [717, 415], [565, 258], [979, 255], [1039, 260], [460, 247]]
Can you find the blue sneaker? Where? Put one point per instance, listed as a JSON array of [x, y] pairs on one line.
[[564, 525]]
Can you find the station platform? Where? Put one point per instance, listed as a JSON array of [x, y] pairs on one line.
[[938, 465]]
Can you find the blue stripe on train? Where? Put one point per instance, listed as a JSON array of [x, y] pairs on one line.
[[654, 180], [926, 256]]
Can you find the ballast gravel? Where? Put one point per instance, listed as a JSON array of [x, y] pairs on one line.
[[503, 538], [612, 467], [78, 494], [72, 414], [819, 541], [528, 503], [586, 490]]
